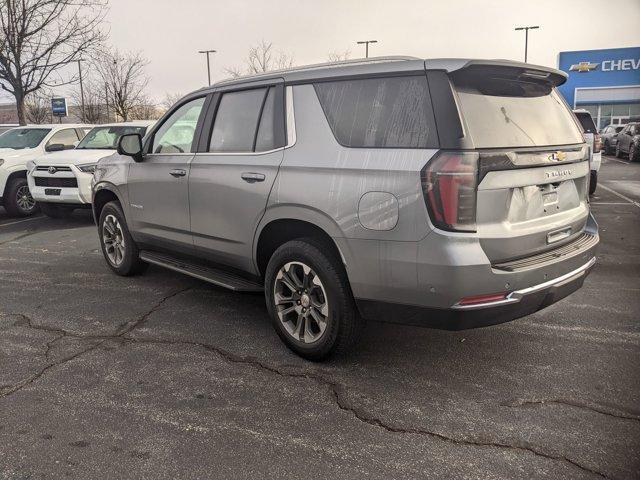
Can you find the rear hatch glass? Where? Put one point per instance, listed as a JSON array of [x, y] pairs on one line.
[[532, 190], [509, 112]]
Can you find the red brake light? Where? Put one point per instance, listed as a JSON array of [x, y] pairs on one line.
[[449, 184], [478, 299], [597, 143]]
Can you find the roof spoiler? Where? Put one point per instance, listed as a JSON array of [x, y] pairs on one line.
[[508, 69]]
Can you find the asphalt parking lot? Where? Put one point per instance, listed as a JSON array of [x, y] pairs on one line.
[[164, 376]]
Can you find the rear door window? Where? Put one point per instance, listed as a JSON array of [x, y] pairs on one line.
[[393, 112], [236, 121], [506, 112]]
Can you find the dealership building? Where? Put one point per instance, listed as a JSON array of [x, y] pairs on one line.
[[605, 82]]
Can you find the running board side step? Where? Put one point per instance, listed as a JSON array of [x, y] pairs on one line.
[[217, 277]]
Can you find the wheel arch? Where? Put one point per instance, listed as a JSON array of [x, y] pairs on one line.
[[104, 193], [12, 176], [286, 223]]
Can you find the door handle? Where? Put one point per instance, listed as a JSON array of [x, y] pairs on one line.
[[178, 172], [251, 177]]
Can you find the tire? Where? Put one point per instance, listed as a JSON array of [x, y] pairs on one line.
[[18, 201], [618, 151], [593, 182], [607, 149], [342, 323], [114, 235], [56, 211], [634, 153]]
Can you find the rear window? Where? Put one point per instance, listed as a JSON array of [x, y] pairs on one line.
[[508, 112], [393, 112], [587, 122]]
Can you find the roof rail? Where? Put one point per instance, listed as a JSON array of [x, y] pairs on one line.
[[303, 68]]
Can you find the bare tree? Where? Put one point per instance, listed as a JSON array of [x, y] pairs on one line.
[[169, 100], [145, 110], [262, 58], [37, 106], [38, 37], [125, 80], [94, 102], [339, 56]]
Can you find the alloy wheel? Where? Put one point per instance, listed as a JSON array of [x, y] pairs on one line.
[[113, 239], [301, 302], [24, 200]]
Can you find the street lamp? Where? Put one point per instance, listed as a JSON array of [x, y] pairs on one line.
[[526, 38], [207, 52], [366, 46]]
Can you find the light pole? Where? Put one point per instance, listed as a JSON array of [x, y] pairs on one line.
[[81, 89], [366, 46], [207, 52], [526, 38]]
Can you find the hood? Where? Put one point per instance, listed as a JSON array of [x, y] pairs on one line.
[[13, 153], [73, 157], [17, 158]]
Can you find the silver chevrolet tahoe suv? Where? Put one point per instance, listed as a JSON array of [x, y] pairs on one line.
[[446, 193]]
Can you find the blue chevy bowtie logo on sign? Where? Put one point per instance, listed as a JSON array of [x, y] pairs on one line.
[[582, 67]]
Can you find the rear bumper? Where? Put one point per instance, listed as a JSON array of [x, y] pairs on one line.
[[460, 317]]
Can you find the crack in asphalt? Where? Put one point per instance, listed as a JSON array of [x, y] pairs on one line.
[[126, 328], [20, 237], [335, 389], [570, 403]]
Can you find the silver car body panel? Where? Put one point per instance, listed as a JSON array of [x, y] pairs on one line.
[[368, 200]]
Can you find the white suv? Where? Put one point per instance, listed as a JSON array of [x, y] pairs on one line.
[[61, 182], [20, 145]]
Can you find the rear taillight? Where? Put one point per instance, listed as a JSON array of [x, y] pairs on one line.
[[449, 184], [597, 143]]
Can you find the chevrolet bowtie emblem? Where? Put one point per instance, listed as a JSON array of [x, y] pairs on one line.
[[558, 156], [583, 67]]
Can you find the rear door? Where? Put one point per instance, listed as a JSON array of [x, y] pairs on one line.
[[624, 138], [533, 165], [232, 174]]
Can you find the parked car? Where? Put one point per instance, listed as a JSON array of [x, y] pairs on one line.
[[7, 126], [609, 136], [629, 142], [446, 193], [61, 182], [22, 144], [594, 141]]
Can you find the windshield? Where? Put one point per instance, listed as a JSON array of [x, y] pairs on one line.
[[504, 112], [106, 138], [20, 138]]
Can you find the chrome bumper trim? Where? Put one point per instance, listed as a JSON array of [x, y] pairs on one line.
[[518, 295]]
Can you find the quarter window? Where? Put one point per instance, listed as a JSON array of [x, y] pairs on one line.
[[177, 132], [392, 112]]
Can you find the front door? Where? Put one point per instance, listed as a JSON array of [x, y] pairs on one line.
[[230, 181], [158, 186]]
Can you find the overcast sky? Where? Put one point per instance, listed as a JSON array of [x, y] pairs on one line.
[[170, 32]]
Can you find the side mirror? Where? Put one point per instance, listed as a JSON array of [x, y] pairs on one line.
[[54, 147], [131, 146]]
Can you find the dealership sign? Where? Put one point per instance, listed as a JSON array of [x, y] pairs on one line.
[[598, 69], [607, 65], [59, 107]]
